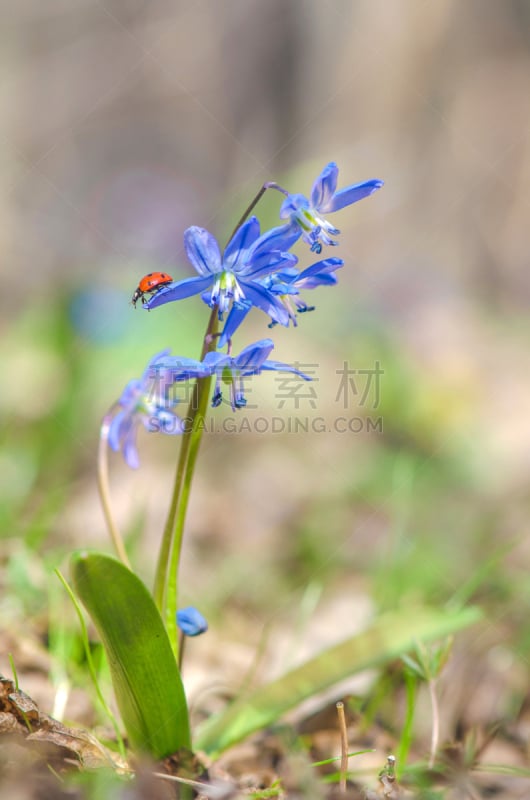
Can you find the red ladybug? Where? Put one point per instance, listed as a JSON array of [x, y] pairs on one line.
[[150, 284]]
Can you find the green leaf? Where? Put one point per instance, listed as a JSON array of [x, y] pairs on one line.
[[144, 672], [388, 637]]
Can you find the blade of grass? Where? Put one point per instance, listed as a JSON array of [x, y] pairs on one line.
[[405, 741], [387, 638], [13, 670]]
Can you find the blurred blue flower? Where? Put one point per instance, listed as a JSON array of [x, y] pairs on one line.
[[147, 401], [232, 370], [304, 214], [191, 622], [233, 277], [286, 285]]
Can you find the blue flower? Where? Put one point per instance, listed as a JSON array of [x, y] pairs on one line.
[[232, 278], [289, 283], [305, 214], [146, 401], [191, 622], [232, 371], [286, 285]]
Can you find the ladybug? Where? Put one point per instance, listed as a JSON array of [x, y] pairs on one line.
[[150, 284]]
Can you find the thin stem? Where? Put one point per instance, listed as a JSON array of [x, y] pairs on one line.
[[343, 746], [159, 591], [170, 547], [195, 436], [411, 685], [435, 722], [182, 644], [251, 207], [104, 490]]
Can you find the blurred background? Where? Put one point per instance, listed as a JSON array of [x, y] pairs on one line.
[[125, 122]]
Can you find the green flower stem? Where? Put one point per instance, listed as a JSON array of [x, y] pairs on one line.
[[103, 486], [166, 580], [159, 591], [172, 578]]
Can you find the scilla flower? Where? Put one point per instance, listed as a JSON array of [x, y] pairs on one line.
[[234, 276], [232, 370], [286, 285], [291, 282], [146, 401], [306, 215]]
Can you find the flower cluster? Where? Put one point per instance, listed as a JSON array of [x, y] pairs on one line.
[[256, 270], [150, 401]]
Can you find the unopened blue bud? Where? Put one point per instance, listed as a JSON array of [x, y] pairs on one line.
[[191, 622]]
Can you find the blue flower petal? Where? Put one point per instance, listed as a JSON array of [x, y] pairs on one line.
[[324, 187], [202, 250], [280, 238], [262, 298], [279, 366], [326, 266], [241, 241], [351, 194], [252, 357], [128, 448], [130, 392], [178, 291], [151, 370], [269, 262], [248, 362], [292, 204], [237, 314], [322, 279], [191, 622], [114, 434], [283, 276], [178, 368], [215, 361], [284, 288]]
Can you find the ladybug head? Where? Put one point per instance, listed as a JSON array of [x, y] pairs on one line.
[[136, 296]]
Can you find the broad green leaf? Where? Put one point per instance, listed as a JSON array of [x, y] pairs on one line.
[[387, 638], [144, 672]]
